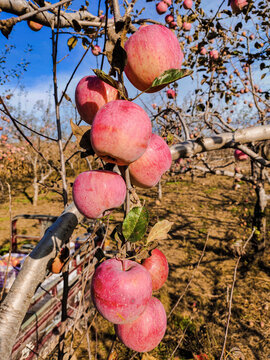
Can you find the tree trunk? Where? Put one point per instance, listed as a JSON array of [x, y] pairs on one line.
[[33, 272]]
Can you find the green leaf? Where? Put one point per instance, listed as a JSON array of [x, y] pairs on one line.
[[170, 76], [159, 231], [135, 224], [72, 42]]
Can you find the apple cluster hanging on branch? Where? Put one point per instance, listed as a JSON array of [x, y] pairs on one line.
[[121, 134]]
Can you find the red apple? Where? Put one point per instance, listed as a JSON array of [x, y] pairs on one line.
[[121, 290], [214, 54], [34, 25], [238, 5], [96, 50], [169, 18], [240, 155], [91, 94], [173, 25], [161, 7], [145, 333], [203, 51], [157, 265], [148, 169], [186, 26], [150, 51], [121, 132], [187, 4], [96, 192], [171, 93]]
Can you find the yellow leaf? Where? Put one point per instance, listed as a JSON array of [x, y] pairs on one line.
[[159, 231]]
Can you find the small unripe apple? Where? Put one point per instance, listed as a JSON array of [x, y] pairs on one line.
[[34, 25], [148, 169], [187, 4], [151, 50], [121, 290], [203, 51], [214, 54], [161, 7], [169, 18], [171, 94], [186, 26], [250, 105], [96, 50], [95, 193], [157, 265], [120, 132], [91, 94], [145, 333]]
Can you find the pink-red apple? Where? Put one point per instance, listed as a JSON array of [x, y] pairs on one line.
[[121, 132], [96, 192], [121, 290], [173, 25], [171, 93], [240, 155], [186, 26], [187, 4], [96, 50], [157, 265], [161, 7], [169, 18], [203, 51], [145, 333], [238, 5], [34, 25], [214, 54], [91, 94], [148, 169], [151, 50]]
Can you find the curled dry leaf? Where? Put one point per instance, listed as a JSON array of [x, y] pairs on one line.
[[82, 134], [159, 231]]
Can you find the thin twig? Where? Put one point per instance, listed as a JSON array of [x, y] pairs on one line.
[[231, 294], [192, 277]]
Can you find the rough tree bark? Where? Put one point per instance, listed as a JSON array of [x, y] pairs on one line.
[[17, 301]]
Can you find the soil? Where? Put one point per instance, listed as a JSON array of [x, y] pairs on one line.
[[207, 213]]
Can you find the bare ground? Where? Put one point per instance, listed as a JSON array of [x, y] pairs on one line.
[[207, 209]]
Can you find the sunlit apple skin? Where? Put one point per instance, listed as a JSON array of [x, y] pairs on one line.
[[158, 267], [34, 25], [145, 333], [121, 132], [91, 94], [96, 192], [240, 155], [121, 290], [238, 5], [150, 51], [148, 169]]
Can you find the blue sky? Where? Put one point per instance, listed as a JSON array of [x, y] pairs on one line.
[[38, 78]]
